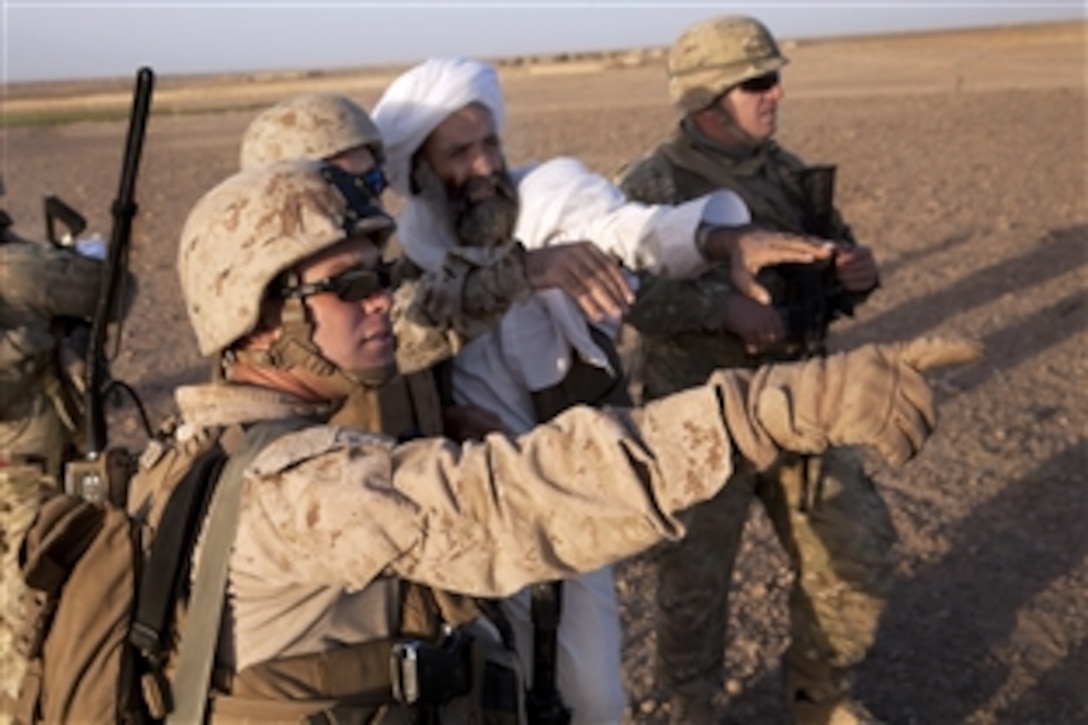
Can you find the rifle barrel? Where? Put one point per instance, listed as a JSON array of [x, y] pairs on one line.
[[123, 210]]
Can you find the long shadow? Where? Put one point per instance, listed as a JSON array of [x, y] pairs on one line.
[[1058, 696], [1052, 256], [1010, 346], [888, 270], [933, 660]]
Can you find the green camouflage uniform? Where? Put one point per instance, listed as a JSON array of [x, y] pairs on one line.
[[39, 284], [826, 512]]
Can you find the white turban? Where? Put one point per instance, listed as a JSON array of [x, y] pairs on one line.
[[422, 98]]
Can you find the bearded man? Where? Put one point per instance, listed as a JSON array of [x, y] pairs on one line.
[[441, 123]]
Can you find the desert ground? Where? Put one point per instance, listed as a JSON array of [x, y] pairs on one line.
[[961, 160]]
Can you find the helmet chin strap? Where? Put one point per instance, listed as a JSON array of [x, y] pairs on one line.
[[295, 348], [726, 121]]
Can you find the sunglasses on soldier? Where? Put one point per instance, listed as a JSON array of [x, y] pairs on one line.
[[760, 84], [352, 285]]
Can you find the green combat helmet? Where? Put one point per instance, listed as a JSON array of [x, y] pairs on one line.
[[711, 57], [309, 126]]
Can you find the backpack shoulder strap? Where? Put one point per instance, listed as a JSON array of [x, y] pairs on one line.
[[206, 604], [168, 562]]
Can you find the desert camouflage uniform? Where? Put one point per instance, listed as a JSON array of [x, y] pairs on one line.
[[479, 519], [829, 518], [38, 285]]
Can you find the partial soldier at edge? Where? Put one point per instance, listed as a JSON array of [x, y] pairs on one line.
[[48, 297]]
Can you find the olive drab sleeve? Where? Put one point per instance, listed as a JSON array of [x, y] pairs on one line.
[[670, 306], [673, 306]]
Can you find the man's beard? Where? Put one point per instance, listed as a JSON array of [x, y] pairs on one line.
[[486, 223]]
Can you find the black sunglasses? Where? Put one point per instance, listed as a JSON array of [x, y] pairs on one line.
[[351, 285], [760, 84]]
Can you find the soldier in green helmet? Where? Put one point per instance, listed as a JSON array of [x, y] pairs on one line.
[[723, 74]]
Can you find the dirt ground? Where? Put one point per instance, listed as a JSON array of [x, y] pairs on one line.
[[962, 162]]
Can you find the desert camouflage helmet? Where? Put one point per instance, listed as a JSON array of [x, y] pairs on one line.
[[255, 225], [711, 57], [310, 126]]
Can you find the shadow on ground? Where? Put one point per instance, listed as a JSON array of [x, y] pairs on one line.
[[933, 662]]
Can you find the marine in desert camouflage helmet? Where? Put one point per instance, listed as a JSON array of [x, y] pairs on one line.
[[311, 126], [715, 55], [242, 245]]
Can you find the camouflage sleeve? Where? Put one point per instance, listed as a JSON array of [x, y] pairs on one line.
[[649, 180], [672, 306], [435, 314], [341, 507]]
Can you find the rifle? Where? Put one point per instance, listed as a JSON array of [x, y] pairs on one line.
[[543, 704], [97, 476], [818, 185], [812, 297]]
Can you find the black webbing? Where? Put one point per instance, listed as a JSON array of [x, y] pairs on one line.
[[170, 559]]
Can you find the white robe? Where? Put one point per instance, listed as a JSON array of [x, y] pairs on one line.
[[561, 201]]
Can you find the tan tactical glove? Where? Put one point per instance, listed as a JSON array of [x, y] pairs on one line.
[[874, 396]]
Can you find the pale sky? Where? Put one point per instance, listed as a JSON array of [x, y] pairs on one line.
[[45, 39]]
